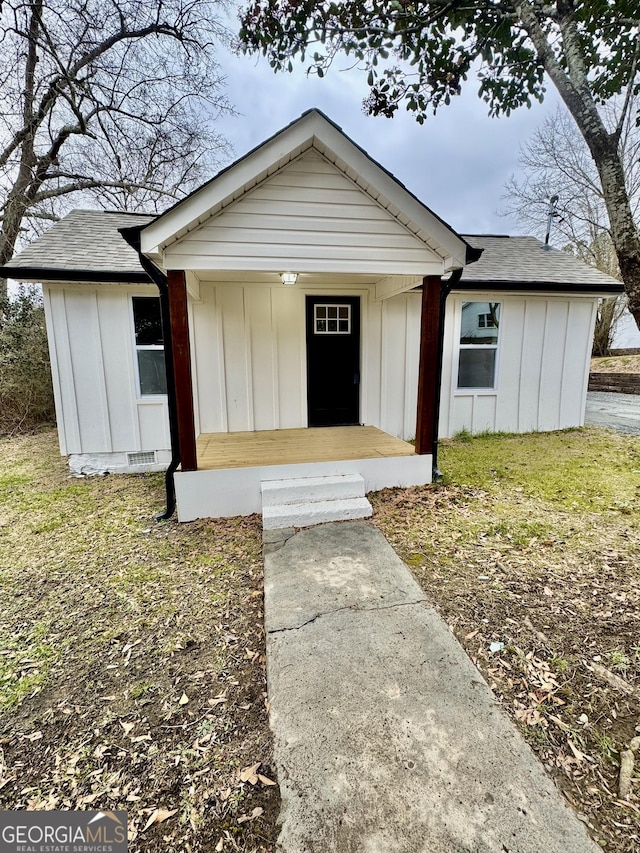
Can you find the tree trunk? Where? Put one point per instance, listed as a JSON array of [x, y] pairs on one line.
[[18, 199], [572, 83], [624, 234]]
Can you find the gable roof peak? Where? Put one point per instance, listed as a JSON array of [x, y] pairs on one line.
[[313, 129]]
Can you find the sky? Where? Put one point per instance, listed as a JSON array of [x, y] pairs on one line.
[[457, 162]]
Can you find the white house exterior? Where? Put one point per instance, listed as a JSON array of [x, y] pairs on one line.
[[351, 342]]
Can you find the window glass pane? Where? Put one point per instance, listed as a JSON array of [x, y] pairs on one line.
[[146, 320], [480, 323], [153, 379], [333, 326], [343, 311], [333, 310], [477, 368], [321, 311]]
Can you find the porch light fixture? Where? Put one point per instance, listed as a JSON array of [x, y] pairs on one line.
[[289, 278]]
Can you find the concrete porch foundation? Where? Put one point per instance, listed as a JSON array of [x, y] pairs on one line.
[[232, 466], [236, 491]]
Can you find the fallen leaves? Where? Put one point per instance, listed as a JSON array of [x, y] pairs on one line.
[[257, 812], [565, 601], [250, 774], [159, 816], [119, 628]]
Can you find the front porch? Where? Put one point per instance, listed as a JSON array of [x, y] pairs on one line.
[[232, 466], [296, 446]]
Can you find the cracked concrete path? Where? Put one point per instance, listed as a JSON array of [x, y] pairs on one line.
[[387, 739]]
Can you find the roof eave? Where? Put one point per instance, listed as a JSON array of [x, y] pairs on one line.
[[543, 286], [51, 274]]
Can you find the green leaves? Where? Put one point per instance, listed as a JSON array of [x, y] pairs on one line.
[[437, 44]]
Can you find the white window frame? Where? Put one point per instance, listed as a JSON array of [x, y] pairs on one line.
[[326, 306], [140, 397], [483, 389]]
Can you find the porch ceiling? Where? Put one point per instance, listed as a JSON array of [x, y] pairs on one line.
[[383, 286], [293, 446]]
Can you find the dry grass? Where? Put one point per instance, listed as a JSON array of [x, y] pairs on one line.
[[533, 543], [131, 658], [616, 364]]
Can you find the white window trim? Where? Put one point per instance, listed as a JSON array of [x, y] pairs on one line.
[[482, 390], [140, 397], [327, 305]]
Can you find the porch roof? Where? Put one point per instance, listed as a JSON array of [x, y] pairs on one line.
[[312, 131]]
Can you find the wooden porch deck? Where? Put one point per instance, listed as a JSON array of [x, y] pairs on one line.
[[292, 446]]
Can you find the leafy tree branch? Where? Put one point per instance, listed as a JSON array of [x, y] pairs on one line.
[[421, 54]]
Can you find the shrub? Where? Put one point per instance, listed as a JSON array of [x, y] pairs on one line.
[[26, 393]]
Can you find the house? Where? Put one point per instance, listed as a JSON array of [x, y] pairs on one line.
[[314, 316]]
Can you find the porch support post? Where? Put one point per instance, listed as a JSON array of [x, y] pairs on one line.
[[428, 370], [177, 286]]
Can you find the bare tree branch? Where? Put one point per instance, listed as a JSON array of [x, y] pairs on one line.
[[111, 100]]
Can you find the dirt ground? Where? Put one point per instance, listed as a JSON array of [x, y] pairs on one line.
[[531, 552], [132, 668]]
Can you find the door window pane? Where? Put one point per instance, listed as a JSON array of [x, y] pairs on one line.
[[332, 319]]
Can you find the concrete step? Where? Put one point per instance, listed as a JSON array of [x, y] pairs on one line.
[[307, 513], [311, 489]]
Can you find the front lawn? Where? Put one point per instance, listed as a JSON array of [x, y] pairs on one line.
[[131, 658], [531, 552], [132, 653]]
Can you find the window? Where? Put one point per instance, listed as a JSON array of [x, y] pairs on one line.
[[332, 319], [147, 326], [479, 331], [486, 321]]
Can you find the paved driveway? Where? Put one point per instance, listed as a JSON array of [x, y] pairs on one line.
[[618, 411]]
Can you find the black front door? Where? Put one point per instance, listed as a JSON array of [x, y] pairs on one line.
[[333, 360]]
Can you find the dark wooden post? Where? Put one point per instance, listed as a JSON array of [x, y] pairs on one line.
[[177, 286], [428, 378]]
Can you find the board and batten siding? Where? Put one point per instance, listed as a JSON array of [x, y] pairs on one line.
[[542, 372], [249, 363], [311, 217], [249, 355], [92, 358]]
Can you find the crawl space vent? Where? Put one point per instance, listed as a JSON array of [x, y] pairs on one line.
[[145, 457]]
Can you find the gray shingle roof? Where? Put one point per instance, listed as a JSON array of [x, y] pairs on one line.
[[89, 241], [85, 240], [524, 260]]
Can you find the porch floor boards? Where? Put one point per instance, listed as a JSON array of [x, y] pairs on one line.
[[292, 446]]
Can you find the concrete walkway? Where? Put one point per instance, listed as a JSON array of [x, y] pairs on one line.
[[387, 739], [617, 411]]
